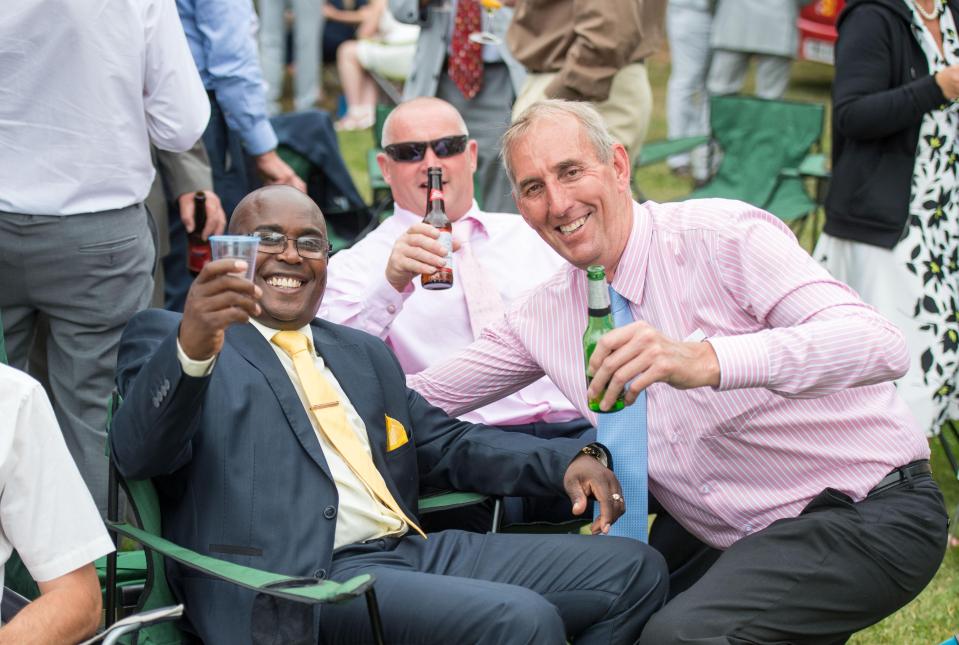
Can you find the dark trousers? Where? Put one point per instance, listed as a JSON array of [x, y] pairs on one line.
[[460, 587], [835, 569]]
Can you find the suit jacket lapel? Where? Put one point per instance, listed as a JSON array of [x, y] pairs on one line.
[[357, 375], [250, 344]]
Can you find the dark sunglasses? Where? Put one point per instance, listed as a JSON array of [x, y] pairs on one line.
[[415, 150]]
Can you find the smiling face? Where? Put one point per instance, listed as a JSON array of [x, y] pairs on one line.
[[428, 119], [292, 286], [581, 206]]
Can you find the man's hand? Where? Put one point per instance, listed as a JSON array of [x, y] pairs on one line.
[[276, 171], [415, 252], [641, 353], [948, 81], [215, 217], [218, 298], [585, 478]]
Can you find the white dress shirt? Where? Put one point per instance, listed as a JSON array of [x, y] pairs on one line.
[[46, 511], [85, 86]]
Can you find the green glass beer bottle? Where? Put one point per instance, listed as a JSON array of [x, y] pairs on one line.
[[600, 321]]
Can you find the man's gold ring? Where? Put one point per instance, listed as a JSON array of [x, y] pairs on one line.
[[616, 497]]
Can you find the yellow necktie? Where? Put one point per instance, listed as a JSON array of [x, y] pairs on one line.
[[329, 414]]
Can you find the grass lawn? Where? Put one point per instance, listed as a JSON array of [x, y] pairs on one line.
[[934, 615]]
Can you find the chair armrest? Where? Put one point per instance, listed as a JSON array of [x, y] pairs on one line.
[[815, 165], [660, 150], [446, 500], [261, 581]]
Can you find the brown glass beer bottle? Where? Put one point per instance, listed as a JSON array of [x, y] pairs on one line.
[[197, 249], [442, 278]]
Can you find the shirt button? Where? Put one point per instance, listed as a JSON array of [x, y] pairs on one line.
[[329, 512], [674, 438], [704, 489], [748, 529], [320, 574], [391, 308]]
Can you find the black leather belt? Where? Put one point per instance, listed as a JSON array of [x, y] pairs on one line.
[[900, 475]]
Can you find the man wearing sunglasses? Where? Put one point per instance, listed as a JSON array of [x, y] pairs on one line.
[[374, 285]]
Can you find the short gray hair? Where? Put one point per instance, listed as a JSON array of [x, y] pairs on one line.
[[584, 113]]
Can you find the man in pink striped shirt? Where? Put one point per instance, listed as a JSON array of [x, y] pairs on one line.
[[775, 435]]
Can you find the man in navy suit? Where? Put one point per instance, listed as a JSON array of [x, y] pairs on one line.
[[216, 413]]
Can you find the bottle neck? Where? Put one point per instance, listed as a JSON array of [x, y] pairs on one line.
[[599, 313]]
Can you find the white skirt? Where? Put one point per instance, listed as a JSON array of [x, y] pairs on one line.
[[882, 279]]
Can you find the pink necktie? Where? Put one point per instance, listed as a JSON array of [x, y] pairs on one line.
[[466, 57], [483, 301]]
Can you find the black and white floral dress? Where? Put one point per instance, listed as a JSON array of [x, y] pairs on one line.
[[916, 283]]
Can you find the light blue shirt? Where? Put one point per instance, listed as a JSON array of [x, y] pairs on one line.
[[221, 38]]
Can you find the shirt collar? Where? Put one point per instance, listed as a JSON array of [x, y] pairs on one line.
[[631, 282], [269, 332]]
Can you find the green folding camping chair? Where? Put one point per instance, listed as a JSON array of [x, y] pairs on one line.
[[770, 149], [145, 508]]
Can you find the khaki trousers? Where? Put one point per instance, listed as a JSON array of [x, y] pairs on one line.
[[626, 111]]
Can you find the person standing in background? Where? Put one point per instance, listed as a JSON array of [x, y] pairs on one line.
[[307, 50], [84, 96], [220, 34], [591, 51], [892, 212], [688, 25], [480, 81], [742, 29], [170, 201]]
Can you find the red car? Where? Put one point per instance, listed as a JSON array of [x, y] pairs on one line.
[[817, 30]]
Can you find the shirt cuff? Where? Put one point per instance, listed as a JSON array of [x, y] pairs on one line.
[[385, 303], [261, 138], [743, 361], [191, 367]]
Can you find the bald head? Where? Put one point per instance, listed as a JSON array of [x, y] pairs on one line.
[[269, 198], [426, 109]]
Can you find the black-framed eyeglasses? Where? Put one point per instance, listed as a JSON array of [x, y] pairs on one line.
[[415, 150], [309, 247]]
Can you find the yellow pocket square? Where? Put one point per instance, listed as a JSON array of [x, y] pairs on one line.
[[395, 434]]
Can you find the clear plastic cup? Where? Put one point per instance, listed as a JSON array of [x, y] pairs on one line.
[[240, 247]]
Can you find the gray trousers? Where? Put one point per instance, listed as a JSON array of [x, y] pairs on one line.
[[727, 72], [308, 23], [86, 275], [459, 587], [487, 116]]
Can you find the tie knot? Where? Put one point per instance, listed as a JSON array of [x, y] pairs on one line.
[[291, 342]]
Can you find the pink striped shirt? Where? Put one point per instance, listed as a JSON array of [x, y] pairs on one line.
[[804, 401]]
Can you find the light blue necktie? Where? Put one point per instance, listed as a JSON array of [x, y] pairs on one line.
[[624, 434]]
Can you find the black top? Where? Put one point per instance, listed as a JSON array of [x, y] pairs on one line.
[[881, 91]]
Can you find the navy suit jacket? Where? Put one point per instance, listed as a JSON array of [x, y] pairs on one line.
[[240, 472]]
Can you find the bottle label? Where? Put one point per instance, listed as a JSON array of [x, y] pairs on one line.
[[435, 193], [446, 239], [197, 256], [597, 295]]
